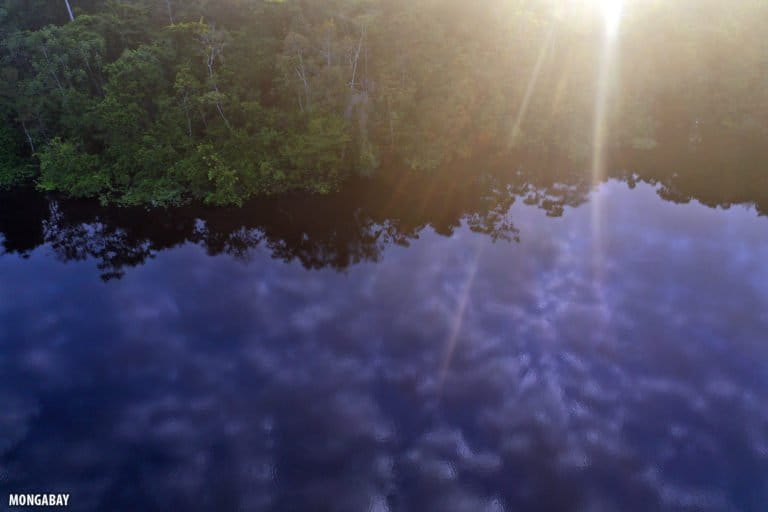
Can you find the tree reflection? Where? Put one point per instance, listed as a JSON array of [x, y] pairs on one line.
[[22, 213], [357, 224]]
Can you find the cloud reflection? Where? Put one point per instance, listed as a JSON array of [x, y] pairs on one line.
[[205, 383]]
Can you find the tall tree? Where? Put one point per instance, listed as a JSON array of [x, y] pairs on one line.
[[69, 11]]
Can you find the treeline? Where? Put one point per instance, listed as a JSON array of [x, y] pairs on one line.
[[166, 101]]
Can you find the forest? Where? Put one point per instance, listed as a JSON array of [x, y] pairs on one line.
[[167, 102]]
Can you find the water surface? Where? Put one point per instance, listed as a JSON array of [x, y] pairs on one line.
[[451, 346]]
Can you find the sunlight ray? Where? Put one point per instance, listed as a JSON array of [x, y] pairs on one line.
[[458, 319], [532, 82]]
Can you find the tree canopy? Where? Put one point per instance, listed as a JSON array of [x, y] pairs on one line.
[[163, 102]]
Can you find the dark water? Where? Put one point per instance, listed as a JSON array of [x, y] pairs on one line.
[[447, 343]]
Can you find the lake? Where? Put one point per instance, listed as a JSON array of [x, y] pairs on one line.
[[424, 343]]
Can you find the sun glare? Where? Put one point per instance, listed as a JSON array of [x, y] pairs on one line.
[[612, 14]]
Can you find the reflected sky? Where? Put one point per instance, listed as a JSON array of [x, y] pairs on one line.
[[455, 374]]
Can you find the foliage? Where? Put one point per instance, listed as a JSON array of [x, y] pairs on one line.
[[64, 167], [157, 102], [13, 169]]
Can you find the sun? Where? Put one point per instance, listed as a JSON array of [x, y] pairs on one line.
[[612, 14]]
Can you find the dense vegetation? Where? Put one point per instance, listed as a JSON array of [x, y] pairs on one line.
[[167, 101]]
